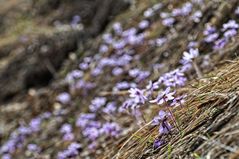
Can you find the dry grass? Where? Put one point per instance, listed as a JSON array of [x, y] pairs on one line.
[[204, 122]]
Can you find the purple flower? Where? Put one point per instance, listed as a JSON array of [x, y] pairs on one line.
[[187, 8], [73, 75], [220, 43], [148, 13], [163, 97], [191, 55], [111, 129], [152, 86], [92, 133], [209, 30], [64, 98], [84, 119], [35, 124], [196, 16], [66, 128], [161, 120], [211, 37], [161, 41], [97, 103], [168, 22], [237, 11], [178, 101], [6, 156], [129, 103], [33, 148], [158, 144], [71, 151], [144, 24], [117, 28], [230, 33], [68, 137], [110, 108], [137, 95], [231, 24], [117, 71]]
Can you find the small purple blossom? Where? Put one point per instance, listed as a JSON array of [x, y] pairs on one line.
[[158, 144], [168, 22], [66, 128], [137, 95], [64, 98], [231, 24], [220, 43], [33, 148], [144, 24], [161, 120], [68, 137], [164, 96], [191, 55], [97, 103], [111, 129]]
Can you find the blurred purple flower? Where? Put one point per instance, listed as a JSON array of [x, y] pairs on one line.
[[144, 24], [137, 95], [97, 103], [161, 120], [191, 55], [163, 97], [64, 98], [66, 128]]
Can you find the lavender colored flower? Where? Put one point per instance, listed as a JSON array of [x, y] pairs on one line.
[[187, 8], [144, 24], [137, 95], [108, 38], [96, 71], [117, 71], [73, 75], [84, 119], [35, 124], [231, 24], [23, 130], [209, 30], [97, 103], [148, 13], [158, 144], [64, 98], [71, 151], [152, 86], [33, 148], [117, 28], [68, 137], [111, 129], [237, 11], [178, 101], [75, 20], [6, 156], [190, 56], [192, 44], [230, 33], [164, 96], [161, 120], [129, 103], [103, 48], [173, 78], [91, 133], [211, 37], [196, 16], [220, 43], [168, 22], [66, 128], [110, 108], [161, 41]]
